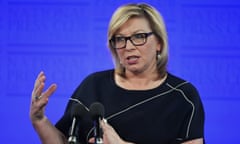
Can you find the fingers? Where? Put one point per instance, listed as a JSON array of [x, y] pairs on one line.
[[39, 85], [91, 140], [107, 129], [38, 91], [40, 79], [110, 136], [43, 98], [105, 126], [52, 88], [39, 98]]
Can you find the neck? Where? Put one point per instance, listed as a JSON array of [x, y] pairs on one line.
[[147, 76], [139, 81]]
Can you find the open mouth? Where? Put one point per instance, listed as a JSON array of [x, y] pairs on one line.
[[132, 59]]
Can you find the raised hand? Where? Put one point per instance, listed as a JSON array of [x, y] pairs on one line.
[[39, 98]]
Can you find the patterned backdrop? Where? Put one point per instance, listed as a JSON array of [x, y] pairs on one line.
[[67, 40]]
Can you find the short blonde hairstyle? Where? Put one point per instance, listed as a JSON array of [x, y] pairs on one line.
[[126, 12]]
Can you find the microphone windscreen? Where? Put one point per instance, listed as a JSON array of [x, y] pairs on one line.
[[96, 110], [78, 111]]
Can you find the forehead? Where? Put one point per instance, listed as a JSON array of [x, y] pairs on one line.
[[133, 25]]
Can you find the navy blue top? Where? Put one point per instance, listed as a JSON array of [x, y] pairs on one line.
[[168, 114]]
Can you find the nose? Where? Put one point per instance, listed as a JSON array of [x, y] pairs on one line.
[[129, 45]]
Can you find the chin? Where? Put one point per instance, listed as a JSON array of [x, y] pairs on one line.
[[134, 70]]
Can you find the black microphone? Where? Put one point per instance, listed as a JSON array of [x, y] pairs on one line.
[[78, 112], [97, 113]]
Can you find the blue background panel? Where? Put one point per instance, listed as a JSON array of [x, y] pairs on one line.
[[67, 39]]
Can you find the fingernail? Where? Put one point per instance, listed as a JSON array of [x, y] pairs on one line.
[[104, 120]]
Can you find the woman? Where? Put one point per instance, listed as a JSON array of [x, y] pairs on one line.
[[143, 102]]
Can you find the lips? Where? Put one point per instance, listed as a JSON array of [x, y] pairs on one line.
[[132, 59]]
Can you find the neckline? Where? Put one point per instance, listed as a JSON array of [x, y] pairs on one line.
[[136, 90]]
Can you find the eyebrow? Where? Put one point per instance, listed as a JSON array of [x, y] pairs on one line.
[[135, 32]]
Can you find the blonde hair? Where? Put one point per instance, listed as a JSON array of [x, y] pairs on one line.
[[126, 12]]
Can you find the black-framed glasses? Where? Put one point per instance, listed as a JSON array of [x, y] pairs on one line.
[[137, 39]]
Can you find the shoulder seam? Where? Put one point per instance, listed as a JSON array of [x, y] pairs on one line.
[[79, 102], [188, 100]]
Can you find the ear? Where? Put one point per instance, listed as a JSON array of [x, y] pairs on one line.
[[159, 46]]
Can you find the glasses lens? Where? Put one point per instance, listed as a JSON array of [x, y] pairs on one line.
[[139, 39], [118, 42], [136, 39]]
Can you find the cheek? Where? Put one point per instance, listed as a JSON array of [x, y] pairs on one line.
[[120, 54], [149, 53], [151, 49], [157, 44]]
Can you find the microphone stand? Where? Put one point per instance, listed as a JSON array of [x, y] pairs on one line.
[[73, 137], [98, 132]]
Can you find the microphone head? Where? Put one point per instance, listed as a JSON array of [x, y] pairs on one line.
[[78, 111], [96, 110]]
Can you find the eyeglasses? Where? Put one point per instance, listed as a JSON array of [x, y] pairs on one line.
[[138, 39]]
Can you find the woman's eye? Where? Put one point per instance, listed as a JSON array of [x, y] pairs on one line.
[[139, 36], [119, 39]]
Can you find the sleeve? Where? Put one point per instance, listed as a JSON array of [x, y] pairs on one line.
[[193, 124]]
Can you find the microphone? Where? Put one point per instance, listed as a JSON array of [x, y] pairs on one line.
[[97, 113], [78, 112]]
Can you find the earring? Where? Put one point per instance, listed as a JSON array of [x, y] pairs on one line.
[[158, 56]]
